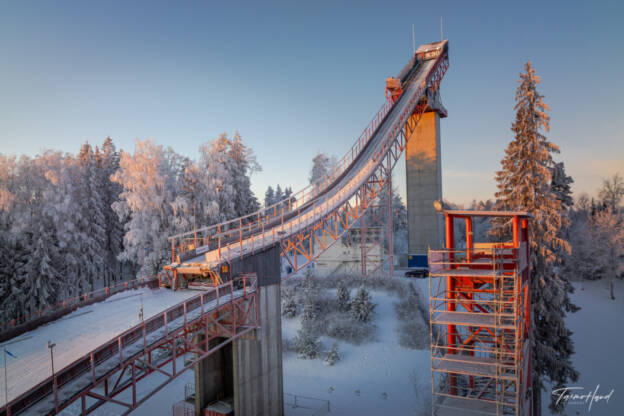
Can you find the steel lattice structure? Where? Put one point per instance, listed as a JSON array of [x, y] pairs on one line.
[[479, 308], [322, 212], [227, 312]]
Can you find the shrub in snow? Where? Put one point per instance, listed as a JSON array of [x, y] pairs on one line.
[[361, 307], [332, 356], [290, 308], [306, 343], [309, 308], [342, 326], [412, 329], [344, 297]]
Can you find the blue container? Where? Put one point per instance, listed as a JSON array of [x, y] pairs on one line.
[[417, 261]]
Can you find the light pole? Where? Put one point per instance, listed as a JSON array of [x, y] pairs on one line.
[[6, 381], [51, 345]]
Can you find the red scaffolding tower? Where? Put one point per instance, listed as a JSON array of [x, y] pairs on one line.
[[479, 307]]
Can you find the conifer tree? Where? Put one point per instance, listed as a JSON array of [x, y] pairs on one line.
[[290, 308], [361, 307], [332, 356], [344, 297], [269, 196], [524, 184]]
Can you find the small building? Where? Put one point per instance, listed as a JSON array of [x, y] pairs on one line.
[[345, 256]]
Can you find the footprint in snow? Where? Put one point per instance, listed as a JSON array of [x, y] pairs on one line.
[[384, 396], [331, 389], [357, 393]]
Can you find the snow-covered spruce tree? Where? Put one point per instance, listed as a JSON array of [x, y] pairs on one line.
[[332, 356], [269, 196], [310, 309], [244, 164], [321, 166], [361, 307], [524, 184], [344, 298], [306, 343], [41, 275], [289, 310], [94, 221], [560, 183], [108, 163]]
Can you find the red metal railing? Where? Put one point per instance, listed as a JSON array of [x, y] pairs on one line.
[[227, 234], [177, 321], [274, 214], [79, 300]]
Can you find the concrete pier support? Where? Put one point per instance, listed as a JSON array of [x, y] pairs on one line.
[[258, 382], [249, 370], [424, 180]]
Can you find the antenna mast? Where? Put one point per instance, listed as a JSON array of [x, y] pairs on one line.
[[441, 32]]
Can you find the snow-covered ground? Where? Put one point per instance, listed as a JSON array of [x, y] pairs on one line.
[[78, 333], [378, 377], [599, 345]]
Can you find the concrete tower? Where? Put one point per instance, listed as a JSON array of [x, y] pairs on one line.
[[424, 179]]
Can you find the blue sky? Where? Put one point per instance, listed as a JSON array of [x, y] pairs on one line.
[[301, 77]]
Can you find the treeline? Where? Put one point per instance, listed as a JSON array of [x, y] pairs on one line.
[[69, 223]]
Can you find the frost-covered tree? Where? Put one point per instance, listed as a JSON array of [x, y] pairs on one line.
[[560, 183], [306, 343], [612, 191], [362, 307], [41, 276], [108, 163], [524, 184], [243, 165], [149, 181], [321, 166], [290, 308], [216, 161], [332, 356], [90, 199], [310, 308], [607, 238], [344, 298], [269, 196]]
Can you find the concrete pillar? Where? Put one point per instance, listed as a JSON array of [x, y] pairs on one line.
[[214, 376], [424, 184], [258, 378], [250, 368]]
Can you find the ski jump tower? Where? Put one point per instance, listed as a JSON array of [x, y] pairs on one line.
[[479, 308]]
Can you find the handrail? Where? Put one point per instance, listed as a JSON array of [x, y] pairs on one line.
[[116, 345], [77, 300], [297, 199], [276, 214]]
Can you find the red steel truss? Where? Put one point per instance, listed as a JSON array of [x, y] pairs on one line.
[[308, 217], [480, 321], [229, 311]]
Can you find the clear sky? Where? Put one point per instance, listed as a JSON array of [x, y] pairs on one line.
[[300, 77]]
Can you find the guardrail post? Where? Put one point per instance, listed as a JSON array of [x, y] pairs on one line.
[[166, 326], [184, 306], [93, 368], [119, 343]]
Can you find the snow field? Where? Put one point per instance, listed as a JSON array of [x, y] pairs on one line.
[[598, 337], [377, 377]]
